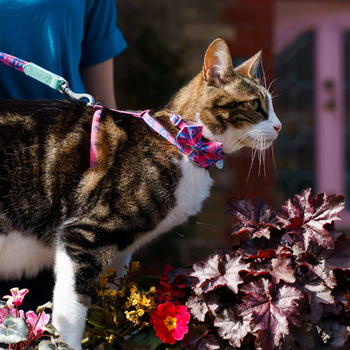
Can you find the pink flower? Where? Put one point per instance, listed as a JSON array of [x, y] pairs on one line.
[[16, 298], [32, 321], [170, 322], [3, 312]]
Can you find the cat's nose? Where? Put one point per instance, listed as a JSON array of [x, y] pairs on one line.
[[278, 127]]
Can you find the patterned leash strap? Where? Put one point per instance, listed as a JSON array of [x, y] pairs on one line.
[[46, 77]]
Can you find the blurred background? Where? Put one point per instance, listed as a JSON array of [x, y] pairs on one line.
[[306, 57]]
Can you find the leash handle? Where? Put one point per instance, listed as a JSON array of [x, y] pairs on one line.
[[46, 77]]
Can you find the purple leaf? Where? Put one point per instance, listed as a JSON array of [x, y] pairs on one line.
[[339, 257], [177, 272], [232, 266], [216, 271], [281, 270], [272, 309], [232, 327], [313, 259], [256, 220], [207, 342], [317, 295], [278, 267], [197, 306], [306, 218], [198, 338], [329, 335]]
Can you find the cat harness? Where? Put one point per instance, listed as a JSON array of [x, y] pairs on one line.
[[189, 140]]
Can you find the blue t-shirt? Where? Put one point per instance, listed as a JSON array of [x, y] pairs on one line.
[[61, 36]]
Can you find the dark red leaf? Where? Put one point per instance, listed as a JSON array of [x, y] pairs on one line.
[[263, 254], [197, 306], [278, 267], [178, 276], [281, 270], [315, 262], [317, 295], [272, 309], [256, 220], [306, 218], [339, 258], [198, 338], [347, 305], [329, 335], [232, 266], [216, 271], [232, 327]]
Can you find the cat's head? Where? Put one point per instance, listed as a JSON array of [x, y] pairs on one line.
[[229, 102]]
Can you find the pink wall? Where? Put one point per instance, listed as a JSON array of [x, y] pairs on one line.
[[328, 20]]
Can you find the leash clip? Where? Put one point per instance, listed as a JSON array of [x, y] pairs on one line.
[[66, 90]]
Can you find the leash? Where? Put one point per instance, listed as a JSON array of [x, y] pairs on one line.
[[189, 140], [44, 76]]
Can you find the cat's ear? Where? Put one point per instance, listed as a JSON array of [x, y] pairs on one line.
[[250, 67], [217, 63]]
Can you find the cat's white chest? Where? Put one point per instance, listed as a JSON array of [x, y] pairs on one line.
[[193, 189]]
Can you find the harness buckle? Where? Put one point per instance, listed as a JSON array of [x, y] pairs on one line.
[[176, 123]]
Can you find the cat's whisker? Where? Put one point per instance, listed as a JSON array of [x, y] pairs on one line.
[[268, 89], [240, 140], [273, 158], [254, 144], [243, 136], [263, 73], [264, 157], [260, 153]]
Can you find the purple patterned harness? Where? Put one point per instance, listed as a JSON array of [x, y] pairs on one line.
[[189, 140]]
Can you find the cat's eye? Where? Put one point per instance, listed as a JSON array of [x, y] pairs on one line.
[[254, 104]]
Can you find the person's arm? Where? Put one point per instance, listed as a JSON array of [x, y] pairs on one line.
[[99, 82]]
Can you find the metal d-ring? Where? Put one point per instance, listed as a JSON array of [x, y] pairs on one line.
[[66, 90]]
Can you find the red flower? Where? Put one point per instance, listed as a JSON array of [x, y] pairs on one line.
[[166, 293], [170, 322]]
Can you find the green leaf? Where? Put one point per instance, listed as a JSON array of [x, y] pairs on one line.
[[146, 282], [140, 338], [153, 341], [97, 318], [13, 330], [41, 308], [172, 347], [49, 328], [46, 345], [2, 304], [62, 345]]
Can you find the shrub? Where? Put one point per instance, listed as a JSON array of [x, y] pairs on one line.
[[284, 286]]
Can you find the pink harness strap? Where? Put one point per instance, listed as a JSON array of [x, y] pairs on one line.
[[189, 140]]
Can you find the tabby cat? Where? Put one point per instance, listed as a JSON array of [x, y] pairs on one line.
[[56, 209]]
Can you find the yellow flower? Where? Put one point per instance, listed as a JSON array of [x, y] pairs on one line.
[[145, 301], [113, 293], [152, 290], [140, 312], [133, 289], [111, 271], [104, 280]]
